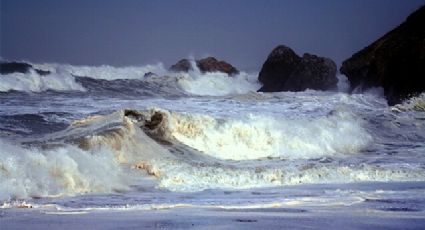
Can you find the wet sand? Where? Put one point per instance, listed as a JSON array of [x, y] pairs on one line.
[[194, 218]]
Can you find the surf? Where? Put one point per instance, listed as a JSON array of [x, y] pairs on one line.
[[109, 153]]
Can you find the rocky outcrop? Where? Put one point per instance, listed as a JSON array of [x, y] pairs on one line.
[[150, 74], [284, 70], [183, 65], [14, 67], [396, 61], [19, 67], [209, 64]]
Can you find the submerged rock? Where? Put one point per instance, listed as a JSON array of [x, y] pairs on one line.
[[209, 64], [395, 61], [150, 74], [284, 70]]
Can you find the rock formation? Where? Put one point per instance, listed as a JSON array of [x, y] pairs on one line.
[[183, 65], [209, 64], [396, 61], [284, 70], [19, 67]]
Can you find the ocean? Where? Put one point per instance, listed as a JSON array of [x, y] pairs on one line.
[[103, 141]]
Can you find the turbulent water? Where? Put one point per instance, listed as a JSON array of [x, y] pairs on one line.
[[102, 138]]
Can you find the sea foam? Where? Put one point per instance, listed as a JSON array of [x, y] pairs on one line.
[[217, 84], [67, 170], [256, 136]]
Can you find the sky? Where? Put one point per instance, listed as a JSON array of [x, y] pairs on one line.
[[242, 32]]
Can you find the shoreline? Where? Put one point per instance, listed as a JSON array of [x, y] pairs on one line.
[[195, 218]]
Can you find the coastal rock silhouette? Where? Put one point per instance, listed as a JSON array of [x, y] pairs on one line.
[[209, 64], [19, 67], [395, 61], [284, 70]]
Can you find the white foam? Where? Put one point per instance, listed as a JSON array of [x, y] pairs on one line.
[[33, 82], [256, 136], [190, 178], [68, 170], [343, 83], [414, 103], [217, 83]]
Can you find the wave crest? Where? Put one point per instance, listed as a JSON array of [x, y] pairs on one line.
[[255, 137], [33, 82], [67, 170]]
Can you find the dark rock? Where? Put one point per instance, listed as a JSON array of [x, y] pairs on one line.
[[396, 61], [42, 72], [134, 114], [19, 67], [150, 74], [14, 67], [211, 64], [284, 70], [155, 120], [183, 65]]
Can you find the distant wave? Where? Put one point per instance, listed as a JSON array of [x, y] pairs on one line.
[[106, 72], [33, 82], [145, 80], [217, 83]]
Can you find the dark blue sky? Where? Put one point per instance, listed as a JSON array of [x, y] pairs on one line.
[[243, 32]]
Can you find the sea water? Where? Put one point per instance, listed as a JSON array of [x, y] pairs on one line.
[[104, 138]]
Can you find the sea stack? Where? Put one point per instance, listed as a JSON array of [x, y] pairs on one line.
[[395, 61], [284, 70]]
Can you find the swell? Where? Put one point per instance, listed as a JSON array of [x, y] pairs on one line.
[[33, 124], [155, 86]]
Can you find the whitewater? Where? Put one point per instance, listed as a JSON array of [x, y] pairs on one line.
[[87, 139]]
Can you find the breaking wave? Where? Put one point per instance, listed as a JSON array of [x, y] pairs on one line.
[[179, 166], [33, 82], [146, 80], [254, 137], [217, 83], [191, 152], [414, 103], [106, 72], [67, 170]]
